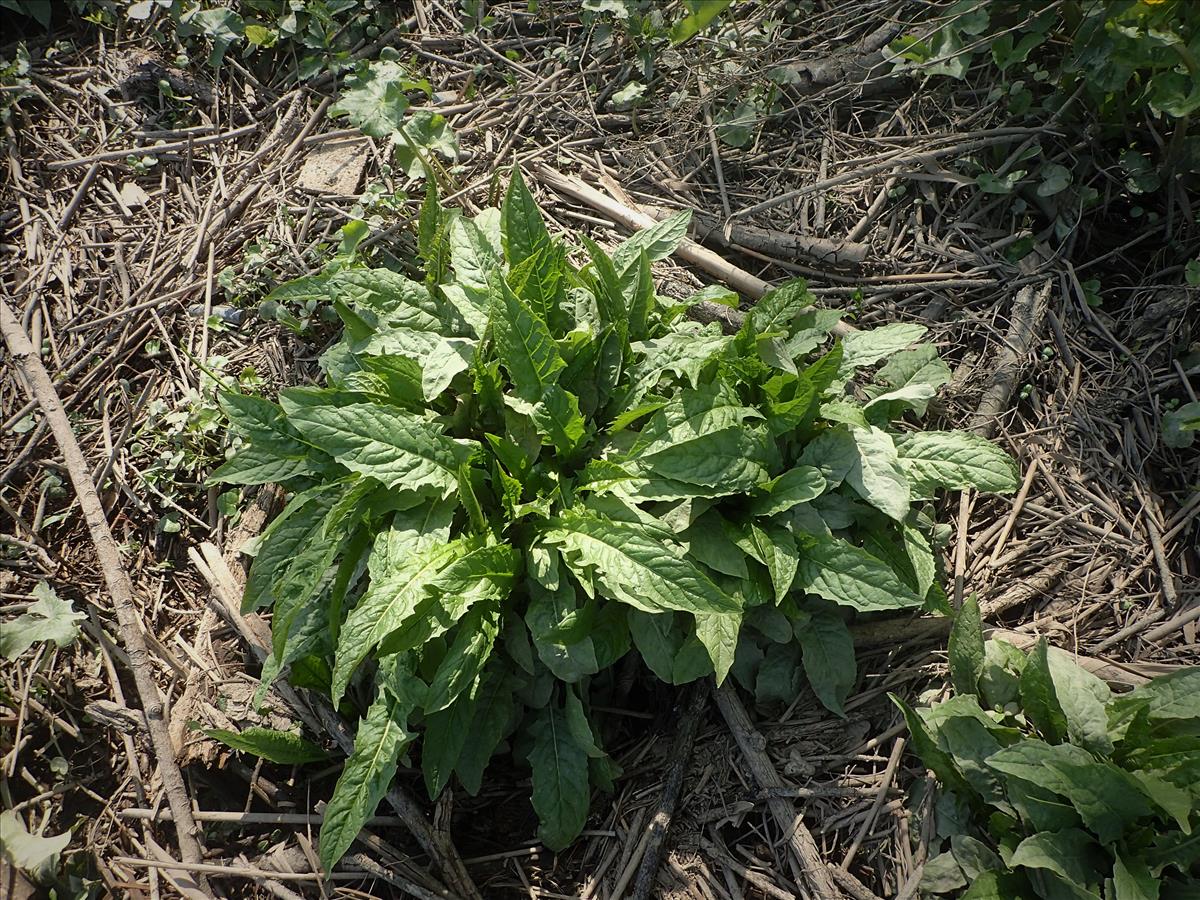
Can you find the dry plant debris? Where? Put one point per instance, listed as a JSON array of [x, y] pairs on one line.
[[140, 229]]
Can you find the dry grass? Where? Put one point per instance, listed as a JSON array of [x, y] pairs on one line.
[[114, 269]]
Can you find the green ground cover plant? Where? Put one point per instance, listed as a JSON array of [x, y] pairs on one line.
[[520, 469], [1054, 787]]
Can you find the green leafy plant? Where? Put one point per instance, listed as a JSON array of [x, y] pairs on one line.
[[520, 468], [1054, 787], [48, 619]]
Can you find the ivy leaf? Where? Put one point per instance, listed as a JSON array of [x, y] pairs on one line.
[[47, 619], [283, 747], [560, 779], [375, 97]]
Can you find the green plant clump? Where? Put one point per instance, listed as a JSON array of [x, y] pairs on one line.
[[520, 469], [1052, 786]]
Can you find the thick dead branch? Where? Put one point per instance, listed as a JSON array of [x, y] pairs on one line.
[[120, 588]]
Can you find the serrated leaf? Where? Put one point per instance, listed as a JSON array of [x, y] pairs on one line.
[[525, 346], [634, 566], [957, 460], [966, 648], [798, 485], [1038, 697], [395, 447], [775, 311], [492, 708], [865, 348], [47, 619], [446, 739], [1175, 695], [283, 747], [466, 656], [658, 241], [521, 222], [833, 452], [774, 546], [261, 465], [560, 779], [877, 475], [827, 651], [366, 777], [684, 351], [1132, 879], [406, 558], [835, 569]]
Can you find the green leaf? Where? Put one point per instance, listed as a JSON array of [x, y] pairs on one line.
[[558, 418], [525, 346], [1038, 697], [446, 738], [1081, 696], [366, 777], [1107, 798], [966, 648], [256, 464], [474, 259], [658, 241], [466, 657], [580, 726], [1180, 425], [718, 633], [34, 853], [709, 544], [560, 779], [684, 351], [548, 611], [833, 452], [375, 98], [957, 460], [934, 757], [634, 566], [521, 222], [406, 558], [909, 379], [47, 619], [877, 475], [1070, 853], [480, 574], [865, 348], [658, 639], [395, 447], [776, 310], [828, 656], [920, 556], [774, 546], [1172, 696], [700, 14], [423, 133], [835, 569], [492, 709], [283, 540], [798, 485], [1132, 879], [223, 27], [1056, 178], [283, 747]]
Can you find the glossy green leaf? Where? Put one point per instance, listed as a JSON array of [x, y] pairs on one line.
[[283, 747], [957, 460], [835, 569]]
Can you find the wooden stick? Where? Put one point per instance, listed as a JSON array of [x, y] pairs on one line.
[[660, 823], [120, 588], [816, 873]]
